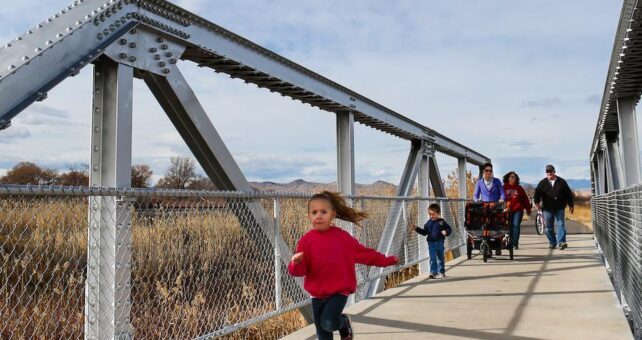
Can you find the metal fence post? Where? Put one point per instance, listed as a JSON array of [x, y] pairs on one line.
[[277, 255], [405, 232]]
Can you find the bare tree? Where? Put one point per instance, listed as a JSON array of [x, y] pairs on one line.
[[29, 173], [202, 183], [141, 176], [78, 175], [452, 184], [181, 172]]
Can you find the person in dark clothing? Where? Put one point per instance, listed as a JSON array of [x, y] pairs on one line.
[[554, 195], [435, 230]]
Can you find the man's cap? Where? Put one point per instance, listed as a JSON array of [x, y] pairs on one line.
[[550, 168]]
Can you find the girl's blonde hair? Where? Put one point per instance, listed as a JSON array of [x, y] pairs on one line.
[[340, 206]]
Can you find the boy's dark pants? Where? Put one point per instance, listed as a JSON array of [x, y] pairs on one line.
[[327, 315], [436, 250]]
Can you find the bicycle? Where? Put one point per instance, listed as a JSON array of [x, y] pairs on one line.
[[540, 223]]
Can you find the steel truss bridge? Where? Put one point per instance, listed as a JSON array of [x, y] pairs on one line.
[[148, 40]]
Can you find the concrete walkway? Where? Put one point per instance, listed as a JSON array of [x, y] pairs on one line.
[[542, 294]]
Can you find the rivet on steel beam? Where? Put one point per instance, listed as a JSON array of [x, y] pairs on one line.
[[166, 70], [123, 41], [161, 64], [168, 54], [96, 129], [39, 26], [160, 39], [112, 28], [99, 36], [49, 42], [123, 55], [96, 148], [78, 23], [7, 45], [69, 29], [25, 58], [132, 59], [157, 56], [132, 45], [59, 35], [172, 61], [164, 46], [38, 49], [29, 32], [96, 22], [11, 67], [106, 32], [152, 50]]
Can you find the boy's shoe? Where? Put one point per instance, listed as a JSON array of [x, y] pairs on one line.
[[431, 276], [346, 331], [563, 245]]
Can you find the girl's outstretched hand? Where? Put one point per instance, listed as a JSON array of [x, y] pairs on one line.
[[297, 258], [396, 261]]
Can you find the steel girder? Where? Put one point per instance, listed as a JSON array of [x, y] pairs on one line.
[[108, 287], [190, 119], [41, 58], [395, 214]]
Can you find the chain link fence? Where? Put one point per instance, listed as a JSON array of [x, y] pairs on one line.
[[617, 222], [81, 262]]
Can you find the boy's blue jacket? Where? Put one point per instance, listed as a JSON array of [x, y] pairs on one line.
[[432, 230]]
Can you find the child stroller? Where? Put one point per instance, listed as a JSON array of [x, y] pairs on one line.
[[487, 228]]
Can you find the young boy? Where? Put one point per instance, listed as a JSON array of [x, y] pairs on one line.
[[435, 230]]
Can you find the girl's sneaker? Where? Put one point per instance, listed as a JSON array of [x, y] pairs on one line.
[[346, 331]]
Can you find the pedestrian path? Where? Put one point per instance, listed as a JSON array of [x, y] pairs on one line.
[[541, 294]]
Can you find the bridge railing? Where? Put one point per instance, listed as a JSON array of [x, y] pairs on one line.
[[617, 222], [200, 265]]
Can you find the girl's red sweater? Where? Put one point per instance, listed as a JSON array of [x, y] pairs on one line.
[[517, 197], [328, 262]]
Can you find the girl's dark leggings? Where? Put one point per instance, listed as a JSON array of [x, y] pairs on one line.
[[327, 315]]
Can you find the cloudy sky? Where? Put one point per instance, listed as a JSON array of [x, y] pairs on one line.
[[518, 81]]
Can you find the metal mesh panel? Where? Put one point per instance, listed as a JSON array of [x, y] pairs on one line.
[[170, 264], [43, 255], [617, 222]]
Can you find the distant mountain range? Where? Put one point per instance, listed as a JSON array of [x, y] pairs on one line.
[[575, 184], [377, 188]]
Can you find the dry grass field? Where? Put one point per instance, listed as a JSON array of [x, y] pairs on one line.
[[194, 269]]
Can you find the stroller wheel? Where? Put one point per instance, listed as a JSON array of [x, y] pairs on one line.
[[485, 250]]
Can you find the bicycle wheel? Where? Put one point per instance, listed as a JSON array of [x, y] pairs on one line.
[[539, 224]]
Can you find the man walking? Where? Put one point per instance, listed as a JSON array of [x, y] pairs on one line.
[[554, 194]]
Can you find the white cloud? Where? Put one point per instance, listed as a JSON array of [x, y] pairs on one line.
[[13, 135]]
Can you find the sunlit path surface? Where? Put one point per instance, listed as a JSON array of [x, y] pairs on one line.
[[542, 294]]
